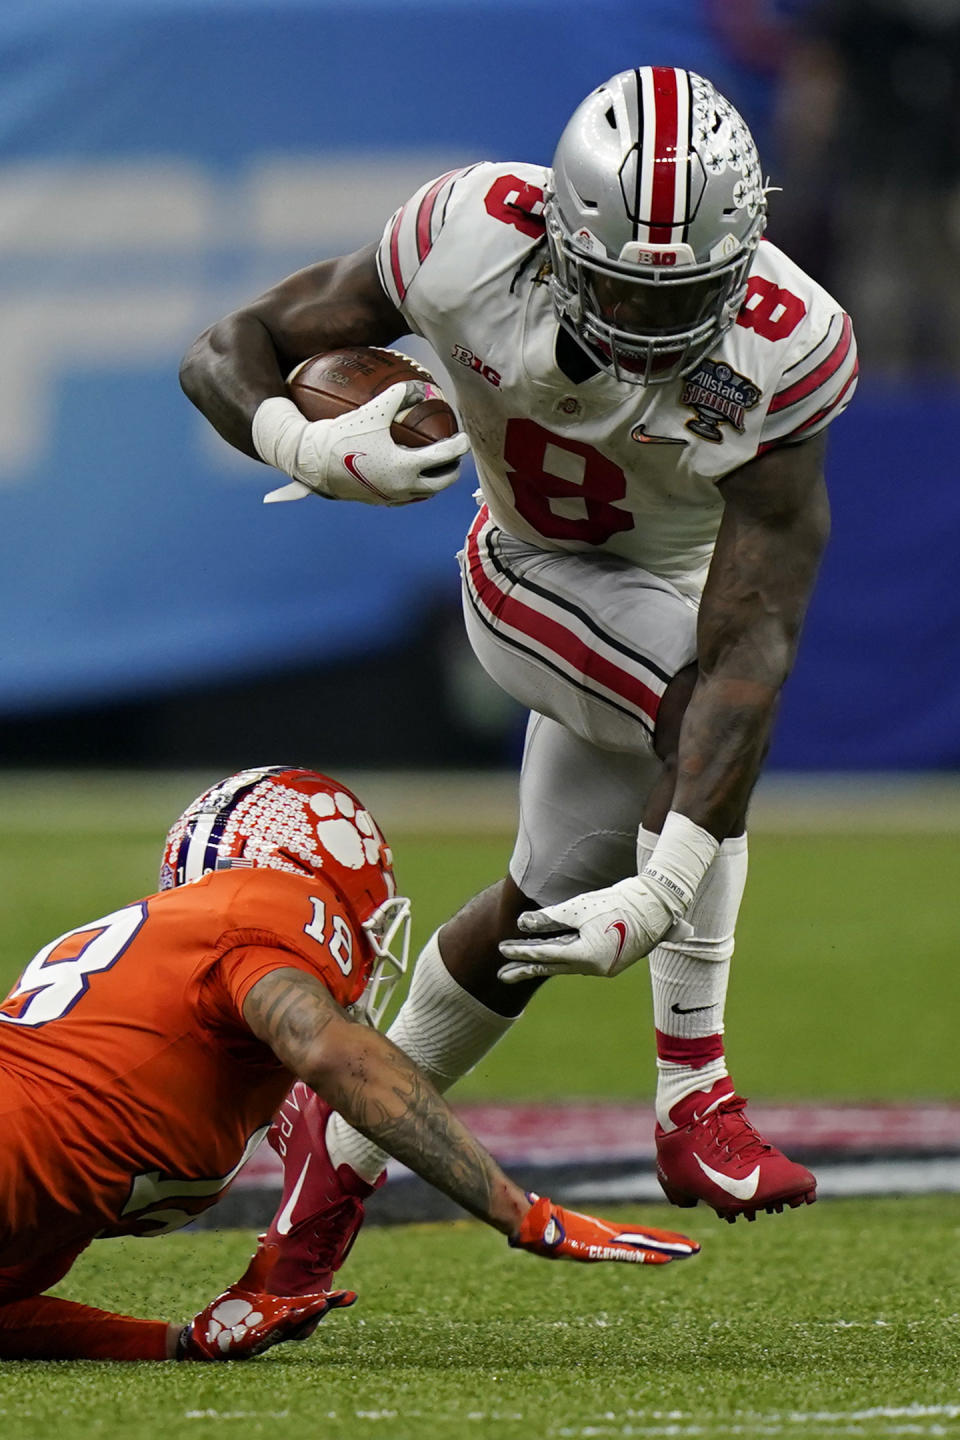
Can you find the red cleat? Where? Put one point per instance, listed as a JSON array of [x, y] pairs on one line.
[[321, 1210], [716, 1155]]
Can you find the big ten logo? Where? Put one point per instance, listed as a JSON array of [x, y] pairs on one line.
[[466, 357]]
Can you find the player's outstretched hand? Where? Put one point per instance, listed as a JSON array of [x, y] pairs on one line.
[[242, 1323], [353, 457], [557, 1234], [598, 933]]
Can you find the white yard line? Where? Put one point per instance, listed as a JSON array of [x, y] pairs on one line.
[[916, 1419]]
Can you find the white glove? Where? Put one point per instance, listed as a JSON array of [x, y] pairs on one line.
[[353, 457], [607, 930]]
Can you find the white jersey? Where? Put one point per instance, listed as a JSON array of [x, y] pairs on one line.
[[602, 463]]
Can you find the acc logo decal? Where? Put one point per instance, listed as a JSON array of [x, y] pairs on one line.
[[719, 395]]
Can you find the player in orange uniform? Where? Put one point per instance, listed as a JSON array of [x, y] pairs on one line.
[[144, 1054]]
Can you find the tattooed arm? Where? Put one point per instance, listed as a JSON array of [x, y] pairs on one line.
[[380, 1092], [774, 529], [243, 358]]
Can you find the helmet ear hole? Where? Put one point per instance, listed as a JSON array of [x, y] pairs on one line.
[[294, 860]]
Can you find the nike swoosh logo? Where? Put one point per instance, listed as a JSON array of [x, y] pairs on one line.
[[285, 1218], [744, 1189], [350, 464], [689, 1009], [621, 930], [639, 432]]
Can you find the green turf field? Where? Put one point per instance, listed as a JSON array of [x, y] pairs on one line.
[[843, 1319], [844, 984]]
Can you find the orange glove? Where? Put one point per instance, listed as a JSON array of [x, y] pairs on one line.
[[241, 1323], [559, 1234]]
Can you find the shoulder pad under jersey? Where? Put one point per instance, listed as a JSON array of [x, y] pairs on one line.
[[816, 363], [466, 223]]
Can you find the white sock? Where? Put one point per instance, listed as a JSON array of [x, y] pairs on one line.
[[445, 1032], [688, 980], [676, 1082]]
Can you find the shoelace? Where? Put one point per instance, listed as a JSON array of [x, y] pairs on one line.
[[731, 1130]]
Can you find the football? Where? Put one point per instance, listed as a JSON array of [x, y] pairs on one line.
[[327, 386]]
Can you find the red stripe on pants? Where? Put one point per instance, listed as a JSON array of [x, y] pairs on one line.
[[553, 636]]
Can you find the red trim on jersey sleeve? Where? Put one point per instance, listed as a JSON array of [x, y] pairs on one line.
[[800, 433], [409, 236], [395, 253], [817, 377], [833, 404], [425, 215]]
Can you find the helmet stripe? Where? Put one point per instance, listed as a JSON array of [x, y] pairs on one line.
[[646, 167], [193, 851], [199, 849], [663, 196], [638, 166], [684, 115], [666, 99]]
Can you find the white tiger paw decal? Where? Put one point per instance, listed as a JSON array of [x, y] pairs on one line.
[[348, 833], [230, 1322]]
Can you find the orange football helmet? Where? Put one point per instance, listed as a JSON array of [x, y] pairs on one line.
[[306, 824]]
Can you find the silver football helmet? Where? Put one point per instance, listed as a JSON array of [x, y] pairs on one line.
[[655, 207]]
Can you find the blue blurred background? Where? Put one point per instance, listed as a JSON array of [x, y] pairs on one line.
[[164, 160]]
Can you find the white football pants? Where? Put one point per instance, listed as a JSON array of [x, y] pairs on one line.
[[588, 642]]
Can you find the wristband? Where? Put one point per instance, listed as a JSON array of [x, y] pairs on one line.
[[682, 856], [276, 432]]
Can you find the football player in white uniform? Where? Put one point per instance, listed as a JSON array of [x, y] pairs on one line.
[[644, 383]]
